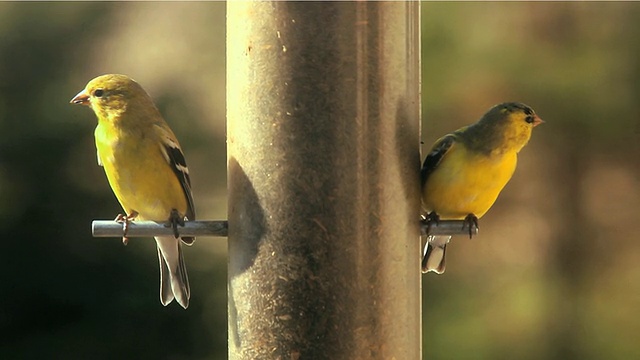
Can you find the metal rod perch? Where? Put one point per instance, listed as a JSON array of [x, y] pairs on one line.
[[219, 228], [446, 227], [110, 228]]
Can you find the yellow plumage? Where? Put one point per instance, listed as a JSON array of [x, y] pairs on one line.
[[467, 183], [465, 171], [145, 167], [153, 200]]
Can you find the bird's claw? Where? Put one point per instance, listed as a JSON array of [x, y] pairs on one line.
[[433, 217], [175, 219], [471, 221], [430, 219], [125, 220]]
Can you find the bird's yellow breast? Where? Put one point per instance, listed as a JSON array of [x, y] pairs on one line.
[[138, 173], [467, 183]]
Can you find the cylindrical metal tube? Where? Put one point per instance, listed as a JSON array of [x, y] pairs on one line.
[[111, 228], [447, 227], [323, 111]]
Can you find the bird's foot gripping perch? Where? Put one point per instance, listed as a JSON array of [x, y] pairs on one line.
[[126, 220], [471, 222], [431, 218], [175, 219]]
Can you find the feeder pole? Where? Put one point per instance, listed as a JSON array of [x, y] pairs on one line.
[[323, 121]]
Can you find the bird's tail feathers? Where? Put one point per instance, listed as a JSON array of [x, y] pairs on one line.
[[434, 254], [174, 282]]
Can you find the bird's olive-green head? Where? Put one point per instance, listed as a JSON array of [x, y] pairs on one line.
[[112, 95], [504, 128]]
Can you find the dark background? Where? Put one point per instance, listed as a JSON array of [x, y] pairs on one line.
[[554, 273]]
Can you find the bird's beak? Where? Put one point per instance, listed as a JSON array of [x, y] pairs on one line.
[[82, 98], [537, 121]]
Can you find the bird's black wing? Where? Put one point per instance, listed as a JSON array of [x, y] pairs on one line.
[[179, 167], [178, 164], [432, 160]]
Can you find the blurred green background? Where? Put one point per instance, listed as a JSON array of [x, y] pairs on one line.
[[554, 273]]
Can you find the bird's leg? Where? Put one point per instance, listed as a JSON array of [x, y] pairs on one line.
[[175, 219], [432, 218], [125, 220], [472, 222]]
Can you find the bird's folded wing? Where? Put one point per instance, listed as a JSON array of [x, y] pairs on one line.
[[174, 156], [440, 148]]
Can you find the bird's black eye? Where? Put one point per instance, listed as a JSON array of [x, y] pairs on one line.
[[529, 119], [98, 93]]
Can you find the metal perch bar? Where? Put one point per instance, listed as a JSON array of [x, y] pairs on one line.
[[110, 228], [446, 227], [219, 228]]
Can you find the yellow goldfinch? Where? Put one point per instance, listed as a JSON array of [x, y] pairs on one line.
[[465, 171], [145, 168]]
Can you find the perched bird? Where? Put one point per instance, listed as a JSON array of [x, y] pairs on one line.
[[145, 168], [465, 171]]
